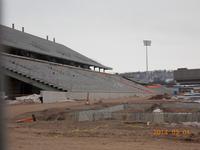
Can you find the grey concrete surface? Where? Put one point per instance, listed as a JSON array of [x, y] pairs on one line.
[[92, 115], [53, 96], [70, 78]]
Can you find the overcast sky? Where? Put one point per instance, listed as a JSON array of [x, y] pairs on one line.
[[112, 31]]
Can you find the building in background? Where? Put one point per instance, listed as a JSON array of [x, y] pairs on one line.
[[155, 77], [188, 80], [187, 76]]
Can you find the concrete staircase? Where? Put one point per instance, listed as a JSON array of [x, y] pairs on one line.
[[30, 80]]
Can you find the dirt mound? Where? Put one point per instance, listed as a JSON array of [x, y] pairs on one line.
[[164, 96]]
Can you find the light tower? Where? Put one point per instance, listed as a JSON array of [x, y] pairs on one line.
[[146, 44]]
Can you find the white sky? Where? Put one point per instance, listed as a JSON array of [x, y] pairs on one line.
[[112, 31]]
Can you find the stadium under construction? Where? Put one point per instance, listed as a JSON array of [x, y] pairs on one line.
[[32, 64]]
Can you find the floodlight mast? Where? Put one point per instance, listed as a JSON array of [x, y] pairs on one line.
[[147, 67], [146, 44]]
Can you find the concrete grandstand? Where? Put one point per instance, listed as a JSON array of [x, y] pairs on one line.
[[32, 64]]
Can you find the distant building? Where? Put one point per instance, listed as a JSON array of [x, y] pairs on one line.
[[187, 76], [157, 76]]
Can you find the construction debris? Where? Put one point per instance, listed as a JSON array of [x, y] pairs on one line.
[[157, 110], [193, 124], [29, 119], [29, 99]]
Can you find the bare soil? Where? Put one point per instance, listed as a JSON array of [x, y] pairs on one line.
[[66, 134]]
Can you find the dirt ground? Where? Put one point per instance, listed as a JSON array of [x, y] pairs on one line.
[[99, 135]]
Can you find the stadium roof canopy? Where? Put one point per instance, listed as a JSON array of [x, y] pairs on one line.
[[21, 40]]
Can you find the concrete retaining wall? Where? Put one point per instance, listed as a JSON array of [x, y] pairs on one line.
[[178, 105], [154, 117], [52, 96], [92, 115], [158, 117]]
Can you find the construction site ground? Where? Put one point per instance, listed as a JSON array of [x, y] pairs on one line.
[[66, 134]]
